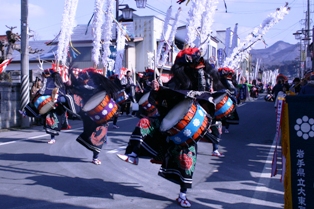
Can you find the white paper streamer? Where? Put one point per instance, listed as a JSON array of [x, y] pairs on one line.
[[171, 38], [194, 21], [107, 31], [207, 22], [240, 52], [164, 35], [150, 60], [68, 23], [97, 31], [120, 49], [64, 28]]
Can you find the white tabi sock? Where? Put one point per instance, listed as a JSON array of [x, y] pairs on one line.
[[132, 154], [183, 195]]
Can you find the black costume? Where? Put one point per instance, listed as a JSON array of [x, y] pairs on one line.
[[52, 97], [88, 84], [191, 83]]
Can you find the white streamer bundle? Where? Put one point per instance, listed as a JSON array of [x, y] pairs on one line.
[[120, 48], [150, 60], [107, 31], [67, 26], [270, 76], [171, 37], [207, 21], [244, 47], [165, 34], [194, 21], [97, 24]]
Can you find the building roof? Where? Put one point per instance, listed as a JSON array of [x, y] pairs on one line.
[[44, 51], [3, 38]]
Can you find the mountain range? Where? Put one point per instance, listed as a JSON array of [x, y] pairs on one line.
[[281, 55]]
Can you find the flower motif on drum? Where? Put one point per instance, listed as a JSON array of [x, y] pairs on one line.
[[110, 105], [104, 112], [201, 112], [177, 140], [229, 102], [187, 132], [96, 117], [196, 122], [304, 127]]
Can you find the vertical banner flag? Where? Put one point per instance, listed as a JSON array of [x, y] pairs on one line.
[[301, 127]]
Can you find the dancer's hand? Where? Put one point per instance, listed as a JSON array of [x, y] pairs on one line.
[[155, 85]]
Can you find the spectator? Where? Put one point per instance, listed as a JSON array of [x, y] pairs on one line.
[[309, 87], [278, 87], [296, 86], [129, 87]]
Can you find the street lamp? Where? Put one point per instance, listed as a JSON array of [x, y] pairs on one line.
[[141, 3], [127, 12], [297, 35]]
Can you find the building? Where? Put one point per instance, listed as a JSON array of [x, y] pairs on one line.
[[144, 31]]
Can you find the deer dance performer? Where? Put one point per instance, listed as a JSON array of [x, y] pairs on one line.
[[48, 102], [94, 99], [160, 134]]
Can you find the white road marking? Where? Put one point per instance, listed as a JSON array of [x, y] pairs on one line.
[[117, 150]]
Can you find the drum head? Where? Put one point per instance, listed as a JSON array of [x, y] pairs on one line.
[[175, 114], [46, 108], [94, 101], [144, 98]]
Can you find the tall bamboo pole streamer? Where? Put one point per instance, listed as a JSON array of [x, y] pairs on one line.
[[107, 33], [120, 49], [164, 34], [194, 21], [97, 24], [170, 40], [67, 26], [207, 22], [244, 47]]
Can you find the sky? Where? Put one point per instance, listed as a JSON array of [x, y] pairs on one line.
[[45, 16]]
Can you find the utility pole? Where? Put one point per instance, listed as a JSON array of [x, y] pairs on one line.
[[24, 61]]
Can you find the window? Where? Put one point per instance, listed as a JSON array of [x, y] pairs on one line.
[[214, 52], [84, 55]]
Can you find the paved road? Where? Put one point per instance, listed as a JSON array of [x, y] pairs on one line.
[[34, 174]]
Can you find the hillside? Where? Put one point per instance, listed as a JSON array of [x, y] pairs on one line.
[[280, 55]]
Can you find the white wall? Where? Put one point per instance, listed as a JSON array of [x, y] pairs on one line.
[[150, 29]]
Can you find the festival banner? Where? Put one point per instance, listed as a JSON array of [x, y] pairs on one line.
[[243, 92], [279, 109], [301, 127]]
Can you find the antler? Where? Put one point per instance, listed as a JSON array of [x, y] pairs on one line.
[[41, 62]]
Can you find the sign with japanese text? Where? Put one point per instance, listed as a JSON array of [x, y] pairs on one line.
[[301, 126]]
